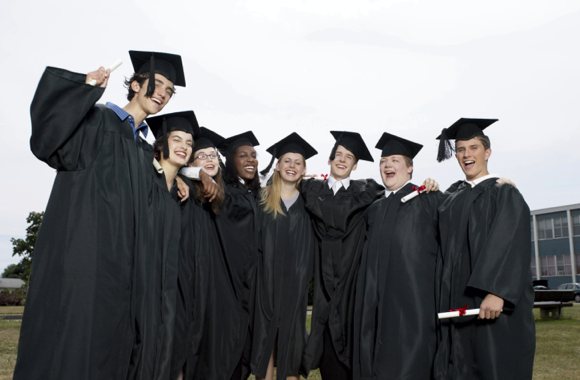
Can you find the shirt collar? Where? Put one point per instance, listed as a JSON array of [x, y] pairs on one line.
[[124, 115], [387, 192], [479, 180], [345, 182]]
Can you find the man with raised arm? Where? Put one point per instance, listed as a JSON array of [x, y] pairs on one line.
[[79, 321]]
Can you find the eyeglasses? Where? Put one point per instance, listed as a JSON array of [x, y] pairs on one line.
[[203, 156]]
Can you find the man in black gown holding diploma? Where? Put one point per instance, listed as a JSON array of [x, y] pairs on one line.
[[485, 264]]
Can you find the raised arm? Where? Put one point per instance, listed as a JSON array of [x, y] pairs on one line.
[[61, 105]]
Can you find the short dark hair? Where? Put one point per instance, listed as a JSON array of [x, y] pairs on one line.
[[333, 152], [158, 146], [140, 78]]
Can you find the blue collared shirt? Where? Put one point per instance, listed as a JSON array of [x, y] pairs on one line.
[[124, 115]]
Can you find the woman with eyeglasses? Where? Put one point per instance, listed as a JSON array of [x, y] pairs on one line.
[[205, 326]]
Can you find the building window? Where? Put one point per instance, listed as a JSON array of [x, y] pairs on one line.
[[548, 266], [545, 230], [552, 226], [555, 265], [560, 226], [564, 265], [576, 222]]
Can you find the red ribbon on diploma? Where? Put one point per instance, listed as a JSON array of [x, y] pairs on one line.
[[419, 189], [461, 310], [324, 176]]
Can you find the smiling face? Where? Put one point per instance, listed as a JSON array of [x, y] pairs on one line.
[[164, 90], [246, 162], [180, 145], [291, 167], [395, 171], [472, 157], [343, 164], [207, 158]]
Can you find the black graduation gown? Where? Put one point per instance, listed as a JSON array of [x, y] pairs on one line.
[[284, 273], [238, 230], [155, 286], [340, 227], [207, 327], [80, 320], [485, 242], [395, 314]]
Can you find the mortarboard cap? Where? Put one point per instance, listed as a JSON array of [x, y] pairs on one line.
[[353, 142], [207, 139], [230, 144], [168, 65], [292, 143], [177, 121], [462, 129], [391, 144]]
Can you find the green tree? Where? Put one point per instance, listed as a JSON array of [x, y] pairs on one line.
[[25, 247], [14, 271]]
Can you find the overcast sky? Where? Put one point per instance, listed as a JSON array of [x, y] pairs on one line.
[[407, 67]]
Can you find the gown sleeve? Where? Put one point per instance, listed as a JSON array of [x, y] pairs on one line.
[[62, 112], [503, 266]]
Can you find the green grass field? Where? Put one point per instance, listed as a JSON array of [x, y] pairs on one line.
[[557, 347]]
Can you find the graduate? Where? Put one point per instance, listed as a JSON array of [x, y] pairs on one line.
[[206, 324], [395, 315], [337, 207], [80, 317], [485, 264], [238, 232], [285, 266], [156, 274]]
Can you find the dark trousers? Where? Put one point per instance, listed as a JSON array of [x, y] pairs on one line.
[[331, 368]]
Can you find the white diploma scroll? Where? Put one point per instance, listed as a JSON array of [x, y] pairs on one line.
[[114, 66], [413, 194], [457, 313]]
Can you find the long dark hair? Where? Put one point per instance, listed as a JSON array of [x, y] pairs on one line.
[[218, 201]]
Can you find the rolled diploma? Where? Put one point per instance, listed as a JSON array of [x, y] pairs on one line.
[[410, 196], [454, 314], [113, 67]]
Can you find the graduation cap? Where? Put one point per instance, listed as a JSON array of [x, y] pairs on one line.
[[462, 129], [168, 65], [177, 121], [391, 144], [293, 143], [353, 142], [230, 144], [207, 138]]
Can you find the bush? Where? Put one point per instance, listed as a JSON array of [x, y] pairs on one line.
[[12, 298]]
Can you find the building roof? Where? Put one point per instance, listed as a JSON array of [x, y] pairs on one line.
[[555, 209], [11, 283]]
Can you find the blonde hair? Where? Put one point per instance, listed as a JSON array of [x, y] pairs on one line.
[[271, 195]]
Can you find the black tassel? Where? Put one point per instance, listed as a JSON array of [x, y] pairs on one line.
[[267, 169], [333, 152], [151, 85], [165, 139], [445, 150]]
